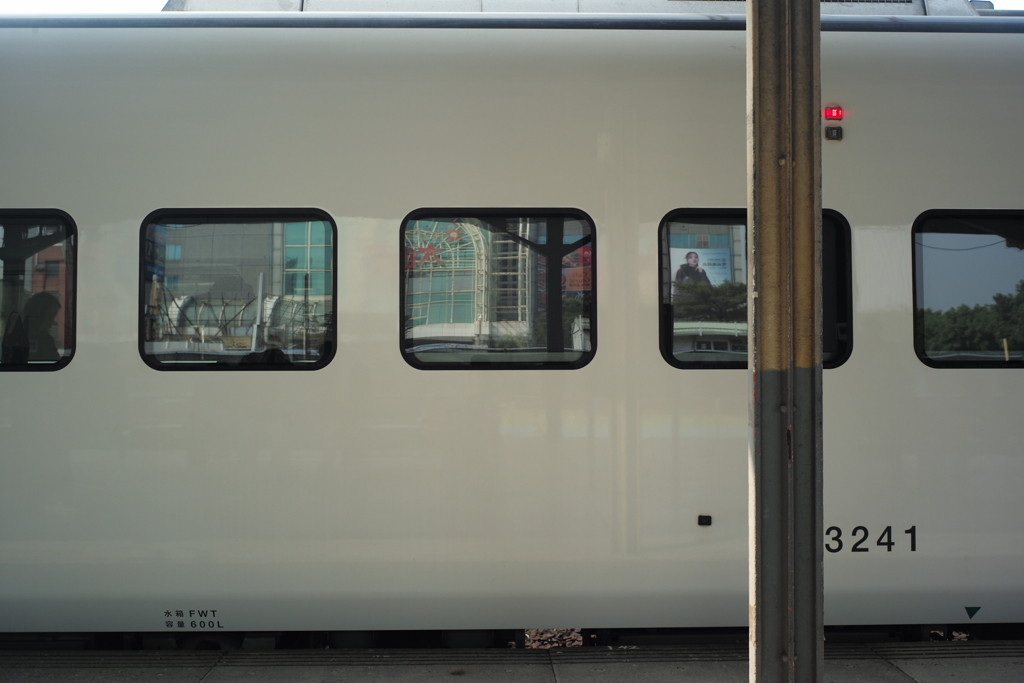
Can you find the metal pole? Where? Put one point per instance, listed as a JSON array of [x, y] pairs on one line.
[[257, 325], [784, 218]]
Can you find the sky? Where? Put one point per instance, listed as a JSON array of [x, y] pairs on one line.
[[965, 269], [140, 6]]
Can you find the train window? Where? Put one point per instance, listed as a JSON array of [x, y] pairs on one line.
[[37, 301], [836, 290], [478, 292], [969, 288], [237, 290], [704, 289]]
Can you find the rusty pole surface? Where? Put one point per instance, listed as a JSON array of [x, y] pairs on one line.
[[784, 219]]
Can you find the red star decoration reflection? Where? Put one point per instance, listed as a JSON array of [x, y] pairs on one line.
[[453, 235], [429, 254]]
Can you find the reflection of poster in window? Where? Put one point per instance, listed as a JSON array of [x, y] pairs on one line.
[[691, 265], [576, 279]]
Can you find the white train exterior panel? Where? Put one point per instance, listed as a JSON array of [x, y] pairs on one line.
[[372, 495]]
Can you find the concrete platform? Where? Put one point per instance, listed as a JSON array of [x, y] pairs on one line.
[[940, 662]]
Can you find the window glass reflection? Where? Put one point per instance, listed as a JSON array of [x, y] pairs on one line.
[[969, 288], [235, 295], [704, 289], [476, 290], [37, 267]]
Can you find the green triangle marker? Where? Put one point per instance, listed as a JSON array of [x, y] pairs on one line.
[[971, 611]]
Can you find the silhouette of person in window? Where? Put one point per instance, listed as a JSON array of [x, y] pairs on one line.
[[691, 272], [41, 311]]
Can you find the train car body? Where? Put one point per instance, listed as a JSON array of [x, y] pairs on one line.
[[371, 493]]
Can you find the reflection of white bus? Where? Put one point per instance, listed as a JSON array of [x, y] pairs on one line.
[[351, 489], [710, 337]]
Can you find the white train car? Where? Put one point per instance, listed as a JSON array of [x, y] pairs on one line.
[[275, 303]]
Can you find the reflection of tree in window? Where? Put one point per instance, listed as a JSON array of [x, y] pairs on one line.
[[726, 302], [984, 331], [970, 288]]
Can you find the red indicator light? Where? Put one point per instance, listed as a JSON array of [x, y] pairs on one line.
[[834, 113]]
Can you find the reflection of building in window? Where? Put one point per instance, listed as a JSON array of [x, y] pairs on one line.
[[307, 259], [479, 285], [511, 279], [235, 289], [468, 284], [444, 262]]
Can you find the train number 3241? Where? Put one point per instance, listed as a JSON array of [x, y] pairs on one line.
[[860, 537]]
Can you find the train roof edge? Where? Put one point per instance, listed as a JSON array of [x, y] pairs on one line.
[[932, 8]]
